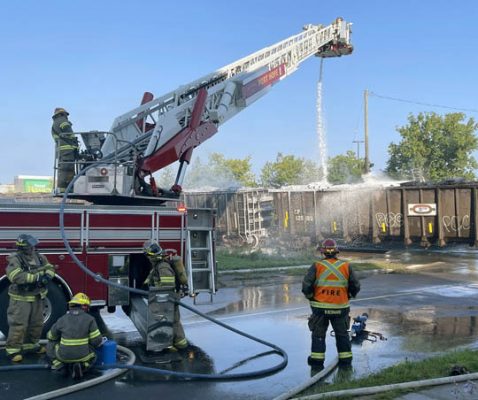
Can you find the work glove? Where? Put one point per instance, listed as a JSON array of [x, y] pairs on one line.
[[42, 279], [50, 273], [183, 290], [50, 267]]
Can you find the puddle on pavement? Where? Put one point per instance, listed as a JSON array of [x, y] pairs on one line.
[[263, 297], [411, 335], [194, 360]]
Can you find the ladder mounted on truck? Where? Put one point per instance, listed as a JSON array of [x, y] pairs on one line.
[[200, 264], [164, 130]]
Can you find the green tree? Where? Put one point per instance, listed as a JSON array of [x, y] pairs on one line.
[[219, 172], [288, 170], [345, 168], [434, 146], [240, 169], [165, 178]]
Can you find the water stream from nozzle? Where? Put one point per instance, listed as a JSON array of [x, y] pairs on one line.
[[320, 128]]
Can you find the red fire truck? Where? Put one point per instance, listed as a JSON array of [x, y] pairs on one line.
[[109, 241], [107, 236]]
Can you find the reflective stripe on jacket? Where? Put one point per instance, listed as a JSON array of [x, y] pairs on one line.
[[331, 284], [22, 271], [162, 275], [63, 134], [75, 332]]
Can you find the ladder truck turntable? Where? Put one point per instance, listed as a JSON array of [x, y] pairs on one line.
[[108, 235]]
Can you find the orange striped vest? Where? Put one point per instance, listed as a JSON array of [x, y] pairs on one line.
[[331, 284]]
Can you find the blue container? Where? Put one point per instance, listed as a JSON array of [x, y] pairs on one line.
[[106, 354]]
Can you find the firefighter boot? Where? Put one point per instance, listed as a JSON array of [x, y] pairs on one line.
[[314, 362], [76, 371], [16, 358], [181, 344]]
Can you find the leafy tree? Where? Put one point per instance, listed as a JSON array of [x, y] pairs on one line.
[[240, 169], [345, 168], [219, 172], [437, 147], [288, 170], [165, 178]]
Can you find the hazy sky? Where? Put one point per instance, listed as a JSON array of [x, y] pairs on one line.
[[96, 58]]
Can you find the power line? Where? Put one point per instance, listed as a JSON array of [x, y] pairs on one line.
[[473, 110]]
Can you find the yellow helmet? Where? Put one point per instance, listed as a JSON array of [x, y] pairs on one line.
[[60, 110], [80, 299]]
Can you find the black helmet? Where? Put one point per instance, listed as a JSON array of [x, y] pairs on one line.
[[24, 241], [60, 111], [152, 248], [329, 247]]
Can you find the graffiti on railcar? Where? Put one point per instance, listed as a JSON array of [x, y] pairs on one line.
[[390, 219], [371, 214], [453, 223]]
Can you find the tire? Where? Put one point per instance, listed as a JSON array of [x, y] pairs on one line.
[[3, 308], [55, 307]]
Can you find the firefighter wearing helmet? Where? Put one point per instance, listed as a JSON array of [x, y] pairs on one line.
[[328, 285], [72, 339], [29, 273], [66, 148], [168, 273]]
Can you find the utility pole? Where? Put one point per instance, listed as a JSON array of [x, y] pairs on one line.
[[365, 119], [358, 147]]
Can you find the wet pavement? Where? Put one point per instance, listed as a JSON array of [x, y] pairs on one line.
[[431, 309]]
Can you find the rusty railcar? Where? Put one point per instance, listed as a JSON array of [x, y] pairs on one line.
[[420, 214], [243, 215]]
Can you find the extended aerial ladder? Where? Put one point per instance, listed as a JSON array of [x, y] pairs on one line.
[[164, 130]]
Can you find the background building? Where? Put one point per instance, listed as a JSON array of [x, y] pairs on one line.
[[33, 184]]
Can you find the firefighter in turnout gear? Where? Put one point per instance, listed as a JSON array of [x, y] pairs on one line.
[[329, 284], [66, 148], [29, 273], [168, 273], [73, 337]]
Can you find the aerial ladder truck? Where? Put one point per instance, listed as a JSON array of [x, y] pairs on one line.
[[164, 130], [108, 236]]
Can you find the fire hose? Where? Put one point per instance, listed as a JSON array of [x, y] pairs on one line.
[[229, 376], [114, 372]]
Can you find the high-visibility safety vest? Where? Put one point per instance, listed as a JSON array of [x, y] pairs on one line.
[[331, 284]]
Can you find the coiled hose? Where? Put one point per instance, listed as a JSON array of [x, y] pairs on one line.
[[114, 373], [233, 376]]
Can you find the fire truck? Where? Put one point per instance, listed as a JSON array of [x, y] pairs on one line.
[[112, 209]]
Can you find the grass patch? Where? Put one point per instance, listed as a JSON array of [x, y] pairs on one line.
[[235, 259], [434, 367]]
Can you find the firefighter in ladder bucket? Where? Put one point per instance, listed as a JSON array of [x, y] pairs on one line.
[[29, 273], [329, 284], [66, 148], [168, 272]]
